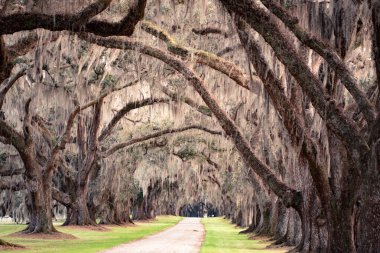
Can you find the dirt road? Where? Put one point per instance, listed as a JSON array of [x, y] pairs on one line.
[[185, 237]]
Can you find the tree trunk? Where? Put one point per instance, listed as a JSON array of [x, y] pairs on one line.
[[79, 214], [368, 232], [40, 213], [265, 228], [280, 223], [114, 211], [341, 237]]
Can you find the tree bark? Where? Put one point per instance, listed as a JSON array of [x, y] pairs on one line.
[[368, 232], [15, 22], [39, 191]]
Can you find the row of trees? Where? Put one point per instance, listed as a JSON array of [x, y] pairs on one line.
[[309, 141]]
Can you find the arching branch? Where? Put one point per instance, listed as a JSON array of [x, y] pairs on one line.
[[76, 22], [70, 122], [290, 196], [263, 23], [16, 22], [12, 136], [5, 87], [329, 54], [61, 197], [207, 58], [294, 125], [126, 109], [124, 27], [155, 135]]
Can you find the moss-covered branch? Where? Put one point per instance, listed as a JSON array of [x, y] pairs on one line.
[[156, 135], [77, 22], [329, 54], [213, 61]]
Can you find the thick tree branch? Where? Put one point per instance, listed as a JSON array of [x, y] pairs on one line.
[[92, 149], [299, 134], [28, 128], [126, 109], [80, 21], [124, 27], [5, 87], [17, 22], [209, 59], [5, 68], [61, 197], [263, 23], [330, 55], [155, 135], [11, 135], [70, 121]]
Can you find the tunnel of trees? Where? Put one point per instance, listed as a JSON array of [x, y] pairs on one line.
[[265, 112]]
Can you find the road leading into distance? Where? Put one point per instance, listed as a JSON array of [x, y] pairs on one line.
[[185, 237]]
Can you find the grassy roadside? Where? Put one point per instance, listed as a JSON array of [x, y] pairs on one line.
[[222, 236], [87, 240]]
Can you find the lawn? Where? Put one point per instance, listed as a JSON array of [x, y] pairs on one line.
[[87, 240], [222, 236]]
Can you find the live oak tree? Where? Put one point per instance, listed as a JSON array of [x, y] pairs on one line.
[[313, 145]]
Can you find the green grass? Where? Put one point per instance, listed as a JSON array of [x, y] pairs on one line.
[[222, 236], [87, 240]]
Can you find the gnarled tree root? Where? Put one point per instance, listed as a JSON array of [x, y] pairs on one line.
[[10, 245]]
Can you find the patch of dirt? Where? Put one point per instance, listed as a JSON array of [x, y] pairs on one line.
[[91, 228], [52, 236]]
